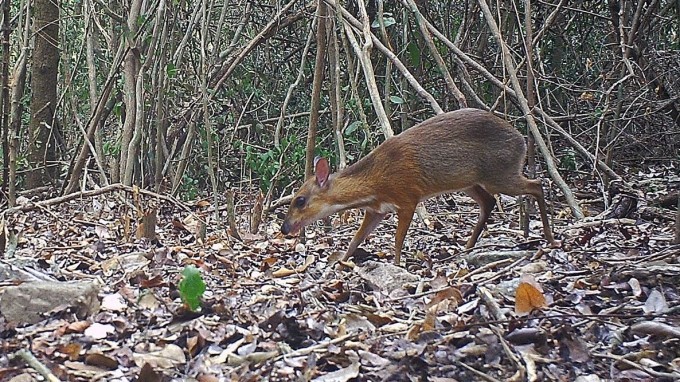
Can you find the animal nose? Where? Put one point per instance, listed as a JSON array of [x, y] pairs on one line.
[[285, 228]]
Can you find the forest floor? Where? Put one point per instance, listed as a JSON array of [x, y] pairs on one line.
[[86, 300]]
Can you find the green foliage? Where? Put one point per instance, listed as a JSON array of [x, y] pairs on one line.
[[281, 165], [396, 100], [568, 160], [352, 128], [191, 287], [354, 136], [266, 163], [111, 148], [189, 189], [413, 53], [171, 70]]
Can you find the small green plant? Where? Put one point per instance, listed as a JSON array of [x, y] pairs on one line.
[[111, 148], [568, 160], [189, 188], [191, 287], [265, 163]]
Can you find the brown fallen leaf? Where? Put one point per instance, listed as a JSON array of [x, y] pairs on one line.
[[528, 296], [101, 360], [452, 295], [165, 358], [72, 350], [148, 374], [283, 272], [78, 326]]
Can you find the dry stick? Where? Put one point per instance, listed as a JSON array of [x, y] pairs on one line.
[[575, 144], [221, 21], [37, 365], [79, 162], [527, 206], [387, 83], [462, 103], [650, 371], [352, 78], [179, 56], [272, 25], [182, 162], [491, 304], [625, 43], [463, 73], [239, 29], [365, 59], [90, 193], [313, 348], [289, 93], [223, 72], [506, 347], [393, 57], [552, 169], [547, 24], [478, 373], [364, 55]]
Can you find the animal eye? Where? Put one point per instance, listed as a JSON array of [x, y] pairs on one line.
[[300, 201]]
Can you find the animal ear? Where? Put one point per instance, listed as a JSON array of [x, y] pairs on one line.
[[321, 171]]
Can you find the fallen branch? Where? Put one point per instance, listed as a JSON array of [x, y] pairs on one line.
[[37, 365], [88, 194]]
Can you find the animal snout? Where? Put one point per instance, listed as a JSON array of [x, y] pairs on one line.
[[286, 227]]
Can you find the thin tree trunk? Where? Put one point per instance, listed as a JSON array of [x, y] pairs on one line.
[[319, 68], [161, 129], [183, 160], [78, 164], [45, 66], [205, 17], [364, 55], [351, 70], [531, 102], [5, 99], [387, 83], [131, 91], [92, 72], [16, 107], [337, 106]]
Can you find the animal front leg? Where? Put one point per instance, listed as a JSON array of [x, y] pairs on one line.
[[371, 220]]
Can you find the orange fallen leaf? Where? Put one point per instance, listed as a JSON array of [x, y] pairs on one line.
[[72, 350], [528, 296]]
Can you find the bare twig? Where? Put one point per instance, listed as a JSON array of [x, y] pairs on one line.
[[38, 366]]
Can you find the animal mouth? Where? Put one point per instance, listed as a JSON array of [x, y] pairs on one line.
[[291, 228]]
